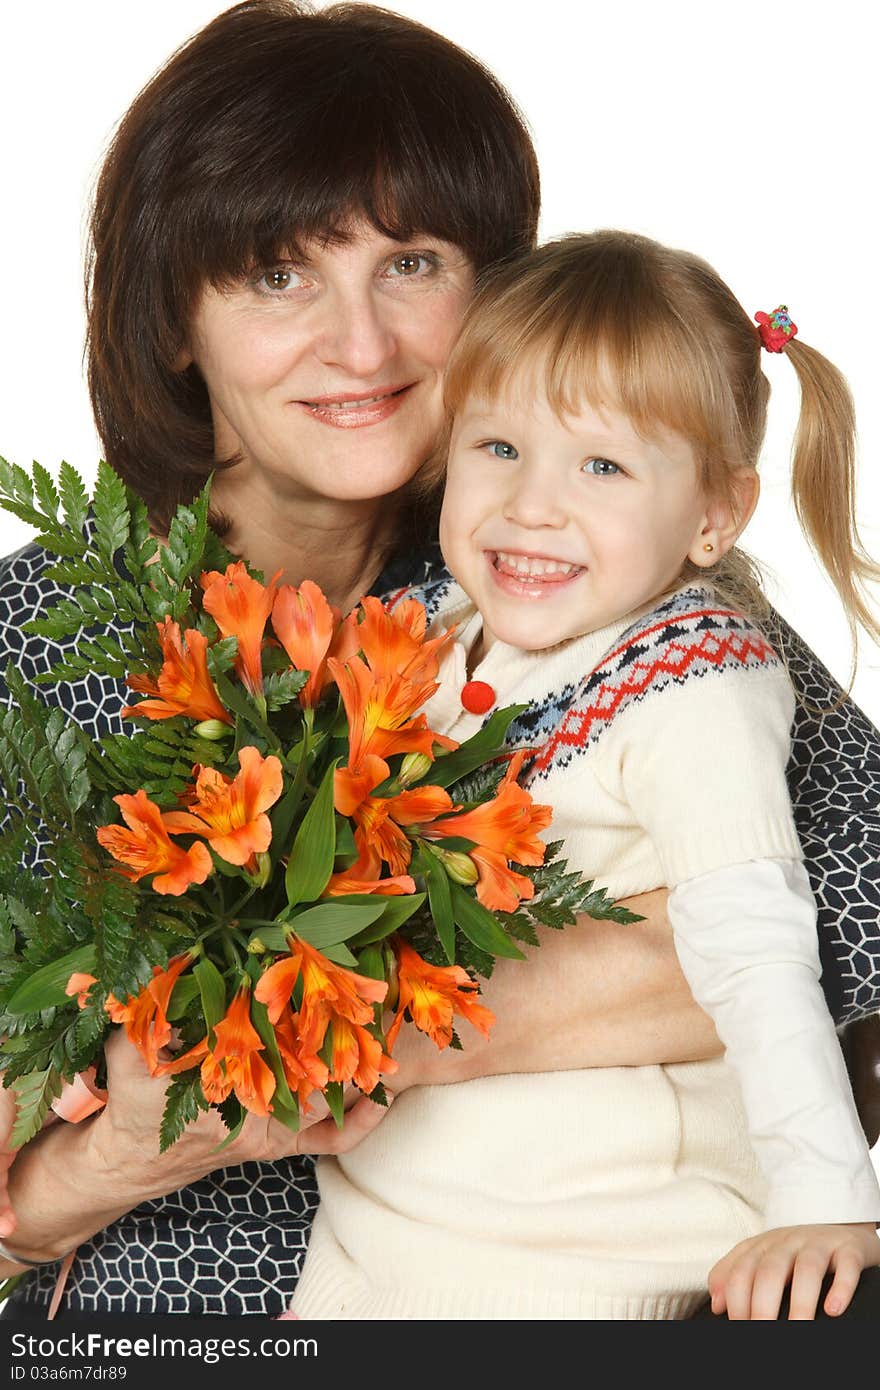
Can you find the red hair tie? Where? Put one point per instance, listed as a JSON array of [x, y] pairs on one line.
[[775, 329]]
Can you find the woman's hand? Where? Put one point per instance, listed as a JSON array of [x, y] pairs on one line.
[[129, 1126], [74, 1179], [749, 1282]]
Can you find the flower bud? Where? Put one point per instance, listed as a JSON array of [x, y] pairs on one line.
[[390, 960], [212, 729], [260, 876], [413, 768], [256, 947], [459, 866]]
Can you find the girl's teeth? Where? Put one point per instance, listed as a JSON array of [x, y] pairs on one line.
[[533, 568]]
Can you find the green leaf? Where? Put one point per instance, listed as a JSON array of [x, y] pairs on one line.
[[111, 514], [334, 921], [34, 1096], [399, 910], [479, 925], [184, 1100], [282, 688], [333, 1094], [314, 849], [185, 990], [487, 743], [371, 962], [74, 497], [212, 988], [440, 902], [341, 955], [46, 986], [46, 491], [284, 1104]]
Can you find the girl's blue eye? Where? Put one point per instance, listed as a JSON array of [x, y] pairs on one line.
[[500, 449], [601, 468]]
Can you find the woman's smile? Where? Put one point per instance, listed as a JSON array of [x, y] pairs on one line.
[[353, 410]]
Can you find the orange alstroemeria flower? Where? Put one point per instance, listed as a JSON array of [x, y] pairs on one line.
[[147, 848], [144, 1014], [357, 1056], [394, 644], [304, 1072], [329, 991], [234, 1064], [183, 685], [229, 812], [79, 984], [504, 829], [380, 714], [364, 877], [432, 994], [309, 630], [241, 607]]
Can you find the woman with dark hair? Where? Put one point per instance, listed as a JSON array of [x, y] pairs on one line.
[[287, 230]]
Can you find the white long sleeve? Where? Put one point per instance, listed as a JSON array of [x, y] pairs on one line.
[[746, 939]]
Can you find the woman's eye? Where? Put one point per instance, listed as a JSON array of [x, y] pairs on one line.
[[277, 280], [601, 468], [410, 263], [500, 449]]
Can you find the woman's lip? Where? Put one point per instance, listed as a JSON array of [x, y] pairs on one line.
[[545, 586], [343, 412], [339, 397]]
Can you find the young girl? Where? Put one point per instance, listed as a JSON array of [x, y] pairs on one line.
[[607, 409]]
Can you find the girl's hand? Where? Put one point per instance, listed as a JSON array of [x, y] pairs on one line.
[[749, 1282]]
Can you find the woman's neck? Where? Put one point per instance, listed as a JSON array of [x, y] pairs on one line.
[[341, 546]]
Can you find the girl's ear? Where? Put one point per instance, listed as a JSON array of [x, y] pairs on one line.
[[183, 359], [725, 519]]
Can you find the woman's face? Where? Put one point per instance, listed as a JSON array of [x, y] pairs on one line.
[[325, 374]]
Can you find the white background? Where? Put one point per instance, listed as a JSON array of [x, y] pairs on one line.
[[745, 133]]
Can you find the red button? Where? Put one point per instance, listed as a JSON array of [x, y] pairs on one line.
[[477, 697]]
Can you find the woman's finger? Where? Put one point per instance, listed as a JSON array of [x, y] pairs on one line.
[[325, 1137]]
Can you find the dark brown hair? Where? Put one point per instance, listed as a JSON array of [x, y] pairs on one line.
[[271, 126], [613, 317]]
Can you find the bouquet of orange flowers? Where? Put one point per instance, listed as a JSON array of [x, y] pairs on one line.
[[278, 864]]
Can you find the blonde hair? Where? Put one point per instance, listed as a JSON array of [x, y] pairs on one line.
[[615, 318]]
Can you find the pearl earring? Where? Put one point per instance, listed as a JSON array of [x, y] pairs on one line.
[[708, 547]]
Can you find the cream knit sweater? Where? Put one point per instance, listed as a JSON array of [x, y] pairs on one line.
[[585, 1194]]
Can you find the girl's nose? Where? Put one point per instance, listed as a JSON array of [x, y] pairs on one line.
[[356, 334]]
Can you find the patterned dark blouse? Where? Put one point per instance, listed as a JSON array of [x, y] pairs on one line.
[[233, 1242]]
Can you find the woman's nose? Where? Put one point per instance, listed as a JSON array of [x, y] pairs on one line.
[[532, 500], [356, 335]]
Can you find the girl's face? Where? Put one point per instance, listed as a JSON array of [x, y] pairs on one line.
[[558, 526], [325, 374]]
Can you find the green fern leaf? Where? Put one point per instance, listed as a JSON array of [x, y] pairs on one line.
[[74, 497], [34, 1096], [111, 515]]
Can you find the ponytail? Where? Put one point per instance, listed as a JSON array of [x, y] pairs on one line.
[[823, 484]]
